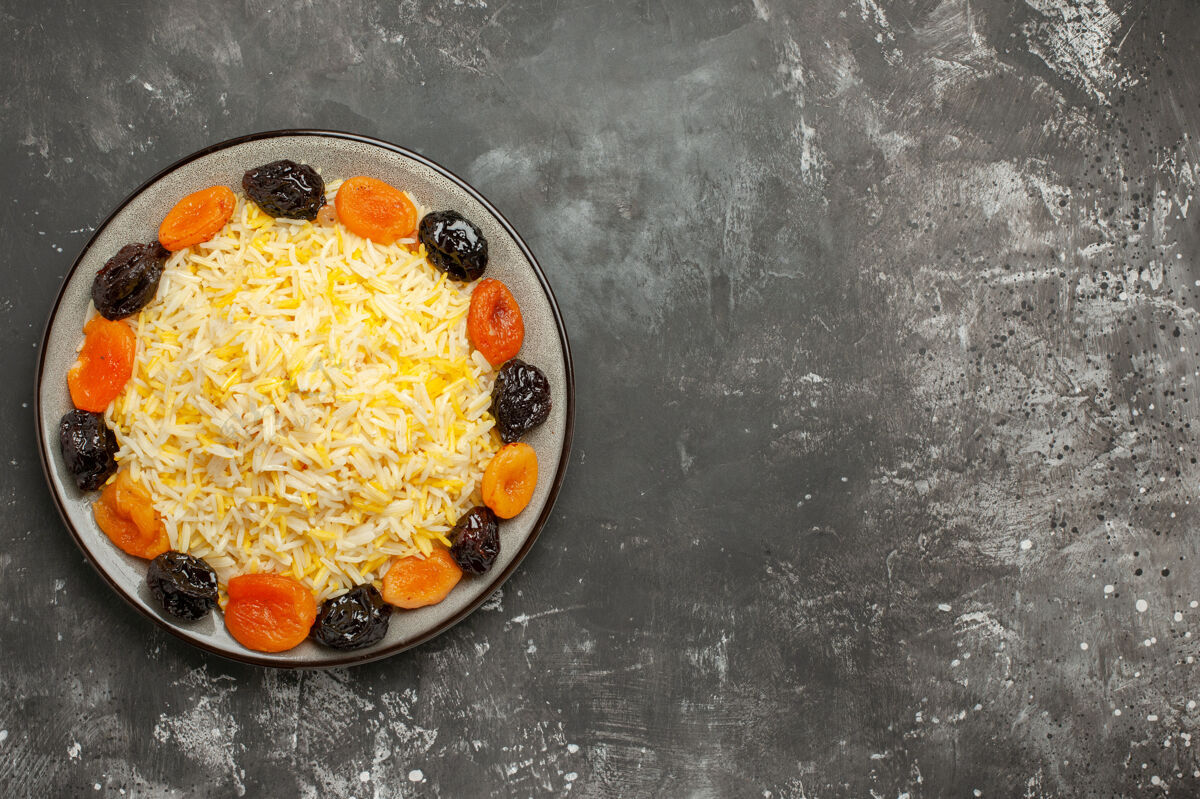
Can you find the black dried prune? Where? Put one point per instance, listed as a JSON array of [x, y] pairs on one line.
[[520, 399], [184, 585], [89, 448], [476, 538], [127, 283], [285, 188], [454, 244], [353, 620]]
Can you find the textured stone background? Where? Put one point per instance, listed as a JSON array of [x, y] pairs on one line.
[[885, 325]]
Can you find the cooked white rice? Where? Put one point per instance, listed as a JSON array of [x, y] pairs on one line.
[[305, 402]]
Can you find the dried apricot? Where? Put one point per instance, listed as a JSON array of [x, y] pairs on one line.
[[414, 581], [197, 217], [125, 514], [509, 480], [269, 612], [494, 323], [375, 210], [104, 366]]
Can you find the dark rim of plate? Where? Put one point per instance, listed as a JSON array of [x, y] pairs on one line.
[[335, 658]]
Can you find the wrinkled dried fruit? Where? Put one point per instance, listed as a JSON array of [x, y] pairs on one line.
[[125, 514], [353, 620], [509, 480], [494, 323], [197, 217], [104, 366], [476, 538], [285, 188], [88, 448], [415, 581], [129, 280], [375, 210], [269, 612], [184, 585], [520, 399], [454, 244]]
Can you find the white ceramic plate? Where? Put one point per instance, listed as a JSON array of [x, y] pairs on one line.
[[336, 155]]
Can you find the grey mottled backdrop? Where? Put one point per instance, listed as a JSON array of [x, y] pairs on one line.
[[885, 325]]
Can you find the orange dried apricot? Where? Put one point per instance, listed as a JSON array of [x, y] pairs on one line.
[[125, 514], [269, 612], [104, 366], [509, 480], [375, 210], [414, 582], [197, 217], [494, 323]]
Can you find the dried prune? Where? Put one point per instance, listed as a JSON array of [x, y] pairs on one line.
[[454, 244], [520, 399], [129, 280], [476, 537], [88, 448], [285, 188], [353, 620], [183, 584]]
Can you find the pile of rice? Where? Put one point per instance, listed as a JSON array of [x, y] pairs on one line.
[[305, 402]]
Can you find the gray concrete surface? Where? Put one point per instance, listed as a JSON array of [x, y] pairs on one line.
[[885, 326]]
